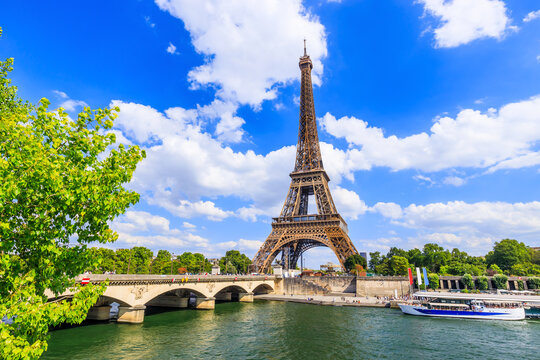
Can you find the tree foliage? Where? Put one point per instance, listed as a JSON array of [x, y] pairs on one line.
[[59, 191], [353, 260], [507, 253], [500, 281], [234, 262], [508, 256], [483, 283], [534, 283], [194, 262], [467, 281], [433, 281]]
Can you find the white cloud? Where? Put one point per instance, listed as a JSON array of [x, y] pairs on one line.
[[463, 21], [171, 49], [67, 103], [185, 164], [473, 139], [454, 180], [249, 247], [423, 178], [538, 58], [188, 225], [389, 210], [532, 16], [491, 218], [188, 209], [250, 46], [140, 228], [348, 203], [473, 226], [149, 22], [61, 94]]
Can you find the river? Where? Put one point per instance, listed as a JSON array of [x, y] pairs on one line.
[[278, 330]]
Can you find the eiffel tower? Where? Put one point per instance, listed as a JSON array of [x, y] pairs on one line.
[[296, 231]]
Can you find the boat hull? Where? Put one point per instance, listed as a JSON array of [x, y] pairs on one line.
[[487, 314]]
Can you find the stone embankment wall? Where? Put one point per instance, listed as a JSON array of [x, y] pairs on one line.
[[382, 286], [299, 286], [315, 285]]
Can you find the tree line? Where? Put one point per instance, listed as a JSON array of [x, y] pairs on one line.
[[508, 257], [141, 260]]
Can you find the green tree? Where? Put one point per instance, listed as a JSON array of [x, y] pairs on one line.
[[234, 262], [534, 283], [139, 260], [122, 260], [507, 253], [163, 264], [354, 260], [500, 281], [435, 256], [59, 191], [483, 283], [415, 257], [399, 265], [106, 260], [384, 268], [493, 268], [521, 285], [375, 259], [468, 281], [194, 262], [535, 256], [433, 281]]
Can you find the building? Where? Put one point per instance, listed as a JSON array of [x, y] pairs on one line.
[[331, 267]]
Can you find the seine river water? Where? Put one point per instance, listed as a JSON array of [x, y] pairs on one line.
[[277, 330]]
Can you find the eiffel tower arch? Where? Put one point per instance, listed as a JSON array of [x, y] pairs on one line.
[[295, 230]]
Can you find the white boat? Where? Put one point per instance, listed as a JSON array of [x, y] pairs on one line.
[[471, 309]]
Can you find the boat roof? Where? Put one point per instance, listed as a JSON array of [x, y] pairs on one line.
[[531, 299], [449, 304]]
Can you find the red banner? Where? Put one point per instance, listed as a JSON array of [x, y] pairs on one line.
[[411, 280]]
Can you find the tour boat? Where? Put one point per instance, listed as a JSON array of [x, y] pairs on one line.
[[473, 309]]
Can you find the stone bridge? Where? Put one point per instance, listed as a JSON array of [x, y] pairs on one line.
[[135, 292]]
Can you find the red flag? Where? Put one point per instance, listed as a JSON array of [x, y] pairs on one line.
[[411, 281]]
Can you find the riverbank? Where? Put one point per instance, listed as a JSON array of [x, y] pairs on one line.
[[328, 300]]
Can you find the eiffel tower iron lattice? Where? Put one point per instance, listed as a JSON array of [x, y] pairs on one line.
[[296, 231]]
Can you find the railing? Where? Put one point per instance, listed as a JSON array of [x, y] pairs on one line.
[[300, 218], [305, 218]]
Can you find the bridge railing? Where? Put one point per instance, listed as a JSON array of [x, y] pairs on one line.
[[154, 278]]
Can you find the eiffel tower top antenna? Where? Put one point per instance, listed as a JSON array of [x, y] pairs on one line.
[[305, 52]]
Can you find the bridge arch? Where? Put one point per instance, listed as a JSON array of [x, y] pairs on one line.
[[263, 289]]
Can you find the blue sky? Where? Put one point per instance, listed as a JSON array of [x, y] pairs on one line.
[[428, 110]]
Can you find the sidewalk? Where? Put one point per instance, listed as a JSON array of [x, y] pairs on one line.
[[329, 300]]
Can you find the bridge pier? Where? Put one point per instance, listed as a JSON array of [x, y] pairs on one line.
[[171, 301], [245, 297], [205, 303], [131, 314], [101, 313]]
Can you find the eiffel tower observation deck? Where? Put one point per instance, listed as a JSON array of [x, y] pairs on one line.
[[296, 230]]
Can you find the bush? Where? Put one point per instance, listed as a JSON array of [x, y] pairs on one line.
[[500, 281], [483, 283], [468, 281], [534, 283], [465, 291], [433, 281], [521, 286], [422, 287]]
